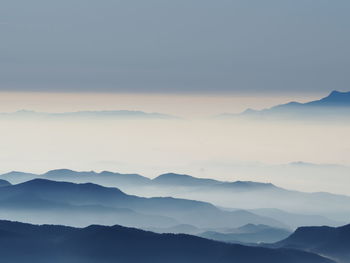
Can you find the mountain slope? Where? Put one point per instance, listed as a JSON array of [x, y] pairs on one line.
[[248, 234], [182, 180], [95, 244], [237, 195], [329, 241], [334, 106], [200, 214], [295, 220], [4, 183]]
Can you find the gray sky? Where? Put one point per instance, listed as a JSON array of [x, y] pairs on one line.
[[175, 46]]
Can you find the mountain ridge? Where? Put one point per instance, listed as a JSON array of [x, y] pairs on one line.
[[186, 211], [96, 243], [335, 105], [333, 242], [102, 114]]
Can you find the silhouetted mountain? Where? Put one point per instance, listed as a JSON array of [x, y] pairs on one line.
[[249, 228], [334, 99], [18, 177], [136, 180], [249, 233], [4, 183], [103, 177], [295, 220], [183, 180], [94, 244], [334, 106], [197, 213], [94, 115], [238, 195], [178, 229], [329, 241], [31, 208], [172, 179]]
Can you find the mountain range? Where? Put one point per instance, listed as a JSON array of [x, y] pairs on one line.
[[21, 242], [303, 209], [329, 241], [88, 203], [335, 106], [249, 233], [85, 115], [246, 234]]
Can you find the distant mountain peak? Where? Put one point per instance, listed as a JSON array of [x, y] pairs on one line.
[[338, 93], [47, 185], [336, 98], [182, 179], [60, 171], [333, 106], [174, 175], [334, 93], [102, 114], [249, 184]]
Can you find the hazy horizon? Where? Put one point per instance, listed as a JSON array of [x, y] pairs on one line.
[[192, 105], [226, 150]]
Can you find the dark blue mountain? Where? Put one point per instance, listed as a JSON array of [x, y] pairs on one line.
[[95, 244], [238, 194], [334, 106], [334, 99], [38, 192], [329, 241], [136, 180], [4, 183]]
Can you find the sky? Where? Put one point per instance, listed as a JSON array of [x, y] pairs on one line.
[[189, 58], [239, 47]]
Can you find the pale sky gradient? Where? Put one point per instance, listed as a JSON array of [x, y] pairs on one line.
[[175, 46], [188, 58]]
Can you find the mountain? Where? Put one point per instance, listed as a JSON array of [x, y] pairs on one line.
[[172, 179], [31, 204], [38, 194], [178, 229], [304, 208], [136, 180], [85, 115], [18, 177], [334, 106], [103, 178], [4, 183], [182, 180], [329, 241], [249, 233], [95, 244], [295, 220]]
